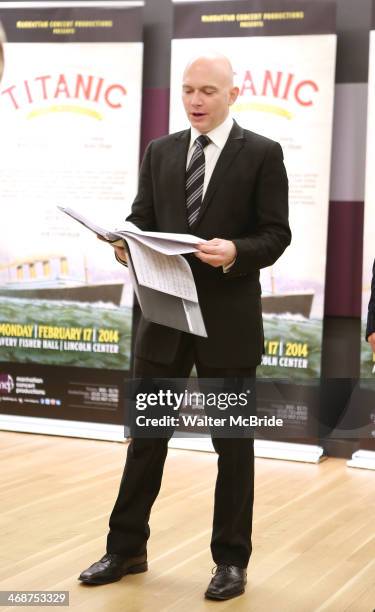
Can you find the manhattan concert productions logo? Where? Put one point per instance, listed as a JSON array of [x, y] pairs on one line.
[[6, 383]]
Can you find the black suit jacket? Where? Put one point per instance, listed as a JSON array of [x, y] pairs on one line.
[[370, 329], [246, 201]]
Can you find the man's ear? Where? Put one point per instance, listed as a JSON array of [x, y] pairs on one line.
[[233, 95]]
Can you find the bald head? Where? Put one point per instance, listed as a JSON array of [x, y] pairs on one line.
[[216, 64], [208, 91]]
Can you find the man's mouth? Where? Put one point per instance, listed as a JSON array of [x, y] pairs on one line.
[[197, 115]]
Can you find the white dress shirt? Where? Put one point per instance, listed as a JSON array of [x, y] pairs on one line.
[[218, 137]]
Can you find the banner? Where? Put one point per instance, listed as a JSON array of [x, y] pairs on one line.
[[70, 104], [367, 382], [283, 55], [367, 358]]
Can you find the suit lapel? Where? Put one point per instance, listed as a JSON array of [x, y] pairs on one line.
[[176, 179], [231, 149]]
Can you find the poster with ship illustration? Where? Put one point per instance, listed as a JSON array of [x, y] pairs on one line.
[[283, 56], [70, 104]]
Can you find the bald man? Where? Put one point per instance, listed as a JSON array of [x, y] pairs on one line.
[[229, 186]]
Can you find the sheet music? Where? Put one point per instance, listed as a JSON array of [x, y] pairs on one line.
[[161, 277], [89, 224], [162, 272], [163, 242], [167, 247], [169, 236]]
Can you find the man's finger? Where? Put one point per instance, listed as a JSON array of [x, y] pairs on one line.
[[211, 259], [207, 248], [121, 254], [208, 255], [212, 241]]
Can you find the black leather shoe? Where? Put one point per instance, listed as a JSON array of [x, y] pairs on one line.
[[228, 581], [113, 567]]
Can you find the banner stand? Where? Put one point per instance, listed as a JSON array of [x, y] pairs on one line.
[[266, 449], [362, 459], [275, 56], [62, 427], [307, 453], [71, 89]]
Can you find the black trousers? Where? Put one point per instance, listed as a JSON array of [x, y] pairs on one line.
[[141, 479]]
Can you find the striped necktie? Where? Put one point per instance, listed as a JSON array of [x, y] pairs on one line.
[[195, 179]]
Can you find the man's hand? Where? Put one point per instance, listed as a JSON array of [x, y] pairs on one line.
[[217, 252], [371, 340], [120, 251]]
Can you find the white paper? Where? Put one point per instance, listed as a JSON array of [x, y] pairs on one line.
[[194, 318], [186, 238], [161, 272], [167, 247], [163, 242]]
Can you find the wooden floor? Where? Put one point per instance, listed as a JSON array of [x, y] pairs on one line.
[[314, 540]]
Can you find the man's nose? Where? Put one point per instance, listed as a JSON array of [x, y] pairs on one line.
[[196, 99]]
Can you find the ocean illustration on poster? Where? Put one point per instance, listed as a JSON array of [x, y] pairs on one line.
[[82, 334], [292, 347]]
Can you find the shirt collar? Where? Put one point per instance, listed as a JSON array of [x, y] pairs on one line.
[[218, 136]]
